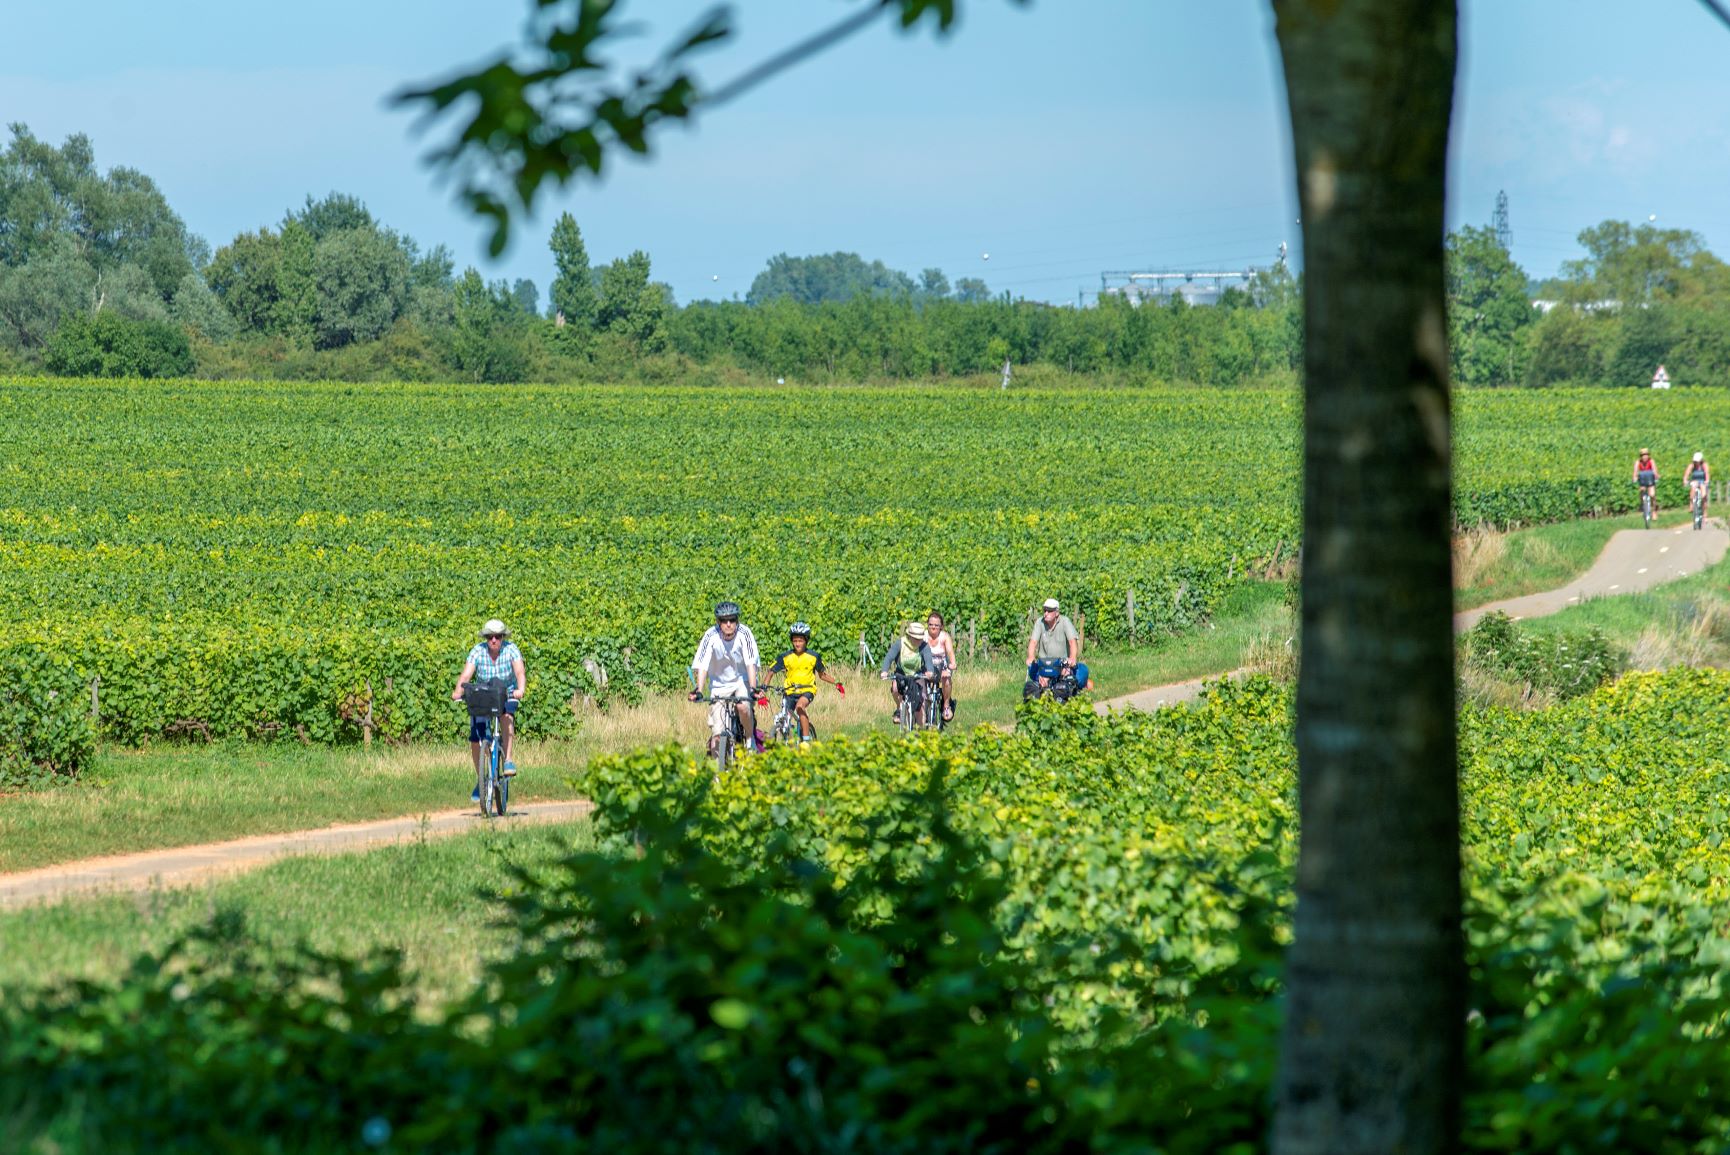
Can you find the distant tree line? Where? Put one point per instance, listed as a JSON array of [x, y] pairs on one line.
[[99, 276]]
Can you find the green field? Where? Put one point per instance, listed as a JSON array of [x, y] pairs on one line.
[[273, 560]]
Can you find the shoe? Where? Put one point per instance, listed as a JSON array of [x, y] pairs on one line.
[[948, 714], [510, 770], [475, 794]]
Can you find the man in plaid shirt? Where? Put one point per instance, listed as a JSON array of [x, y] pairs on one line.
[[493, 659]]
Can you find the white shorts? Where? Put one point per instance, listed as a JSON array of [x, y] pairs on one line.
[[721, 714]]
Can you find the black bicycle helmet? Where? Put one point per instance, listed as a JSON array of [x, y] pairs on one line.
[[799, 630], [726, 610]]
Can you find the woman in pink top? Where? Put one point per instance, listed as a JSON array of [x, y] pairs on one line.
[[943, 658]]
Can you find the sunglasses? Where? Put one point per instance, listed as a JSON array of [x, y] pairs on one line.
[[728, 621], [493, 637]]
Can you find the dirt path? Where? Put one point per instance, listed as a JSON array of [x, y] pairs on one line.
[[183, 865], [1633, 560]]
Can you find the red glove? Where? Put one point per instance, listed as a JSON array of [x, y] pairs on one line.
[[840, 689]]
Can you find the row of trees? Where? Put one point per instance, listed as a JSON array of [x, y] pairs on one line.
[[332, 291], [1640, 296]]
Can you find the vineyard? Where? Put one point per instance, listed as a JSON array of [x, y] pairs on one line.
[[1063, 939], [311, 560]]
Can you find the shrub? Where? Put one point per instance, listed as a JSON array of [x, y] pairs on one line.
[[1564, 664], [109, 345], [45, 725]]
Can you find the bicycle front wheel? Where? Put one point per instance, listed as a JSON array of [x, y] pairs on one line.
[[491, 803]]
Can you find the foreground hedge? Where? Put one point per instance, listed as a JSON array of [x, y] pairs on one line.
[[1061, 940]]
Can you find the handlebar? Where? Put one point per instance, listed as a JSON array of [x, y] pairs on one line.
[[753, 698]]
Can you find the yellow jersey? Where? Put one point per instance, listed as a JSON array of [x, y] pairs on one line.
[[800, 671]]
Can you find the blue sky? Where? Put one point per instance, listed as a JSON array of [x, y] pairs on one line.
[[1063, 138]]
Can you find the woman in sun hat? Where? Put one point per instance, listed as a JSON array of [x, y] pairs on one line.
[[495, 658], [909, 658]]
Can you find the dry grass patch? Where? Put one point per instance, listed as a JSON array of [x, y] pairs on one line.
[[1698, 635], [1272, 653], [1476, 552], [1480, 688]]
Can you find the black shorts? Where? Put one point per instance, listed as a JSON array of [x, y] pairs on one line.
[[807, 696], [478, 726]]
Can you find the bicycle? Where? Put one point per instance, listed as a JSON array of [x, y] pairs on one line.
[[1699, 505], [487, 700], [920, 702], [722, 745], [1646, 505], [1058, 678], [785, 726]]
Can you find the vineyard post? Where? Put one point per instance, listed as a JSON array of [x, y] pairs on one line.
[[1129, 612], [95, 700], [366, 722], [972, 638], [1081, 631]]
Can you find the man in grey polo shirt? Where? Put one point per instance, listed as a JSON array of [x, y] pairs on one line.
[[1054, 639]]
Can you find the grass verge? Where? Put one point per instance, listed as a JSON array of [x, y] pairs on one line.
[[432, 899]]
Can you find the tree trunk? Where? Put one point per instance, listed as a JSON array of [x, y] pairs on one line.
[[1372, 1054]]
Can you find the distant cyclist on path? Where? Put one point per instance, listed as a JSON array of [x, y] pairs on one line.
[[493, 659], [1646, 476], [1699, 480]]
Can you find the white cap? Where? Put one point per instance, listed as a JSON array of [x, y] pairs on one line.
[[1699, 457], [494, 626], [1051, 603]]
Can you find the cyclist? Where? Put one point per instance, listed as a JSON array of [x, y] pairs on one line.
[[800, 668], [909, 657], [727, 659], [942, 659], [1699, 480], [1646, 477], [495, 658], [1054, 646]]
